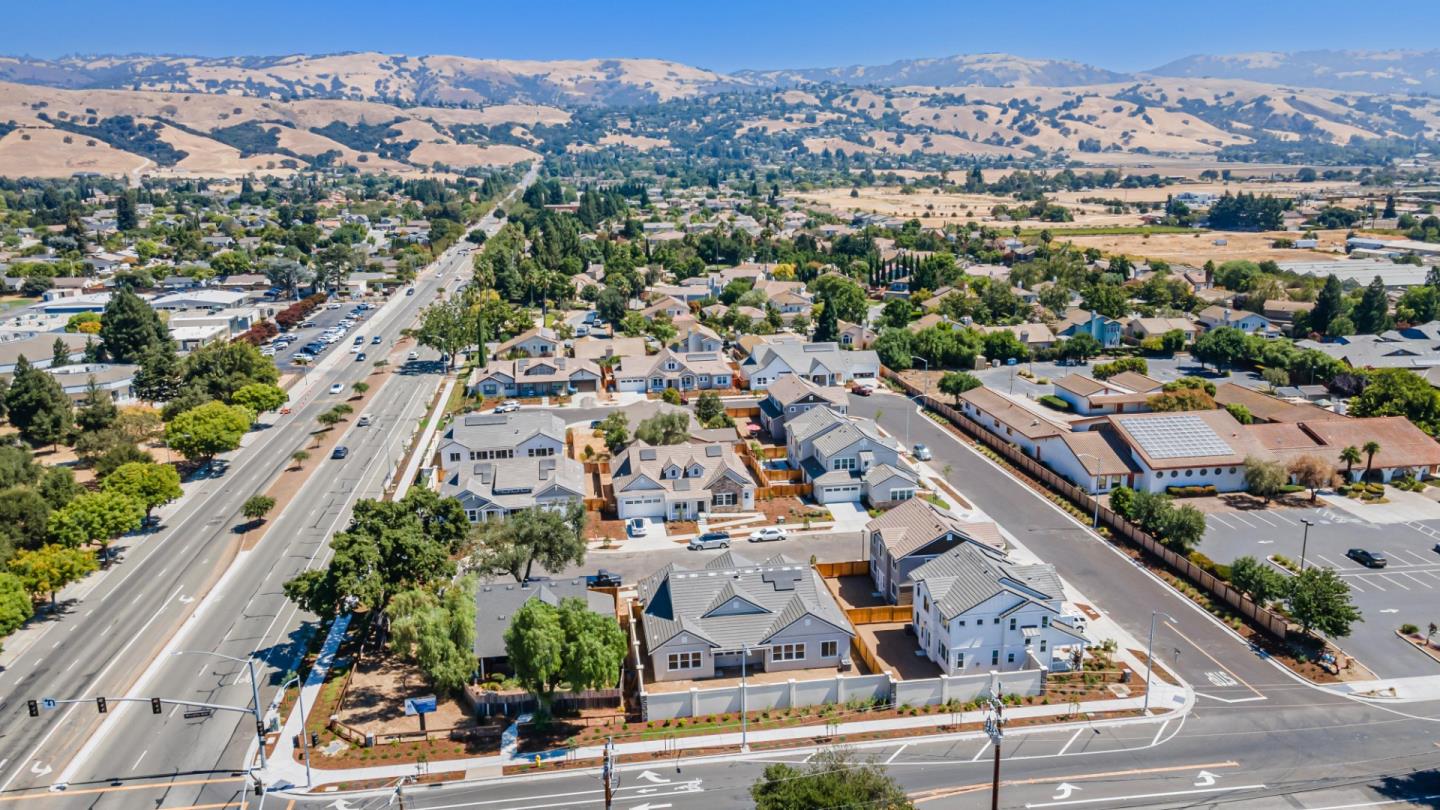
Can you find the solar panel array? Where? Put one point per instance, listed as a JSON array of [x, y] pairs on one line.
[[1178, 436]]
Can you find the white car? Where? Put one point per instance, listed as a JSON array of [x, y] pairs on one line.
[[507, 406], [412, 356], [922, 453], [337, 388], [332, 305], [364, 420], [768, 533], [637, 527]]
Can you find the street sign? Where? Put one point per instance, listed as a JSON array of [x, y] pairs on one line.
[[48, 703], [196, 713], [419, 705]]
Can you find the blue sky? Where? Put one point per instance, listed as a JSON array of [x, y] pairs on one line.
[[722, 35]]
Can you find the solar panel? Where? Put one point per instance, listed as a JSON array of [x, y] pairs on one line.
[[1178, 436]]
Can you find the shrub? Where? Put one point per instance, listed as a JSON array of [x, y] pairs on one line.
[[1409, 629], [1054, 402], [1191, 491]]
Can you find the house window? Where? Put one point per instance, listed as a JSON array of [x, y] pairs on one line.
[[787, 652], [901, 494], [961, 622], [1012, 622], [540, 451], [828, 649], [994, 657], [454, 456], [847, 463], [925, 600], [1010, 658], [685, 660], [473, 515], [1042, 645], [997, 620], [944, 654], [1044, 621], [724, 499], [960, 660]]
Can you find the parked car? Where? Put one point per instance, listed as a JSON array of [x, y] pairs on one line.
[[412, 356], [861, 390], [637, 527], [337, 388], [768, 533], [340, 452], [507, 406], [710, 540], [922, 453], [603, 579], [1369, 559]]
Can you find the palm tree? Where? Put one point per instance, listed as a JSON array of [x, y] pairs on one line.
[[299, 457], [1370, 449], [1351, 456]]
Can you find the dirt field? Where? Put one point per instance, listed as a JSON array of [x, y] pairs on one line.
[[376, 700], [465, 154], [44, 153], [1197, 248]]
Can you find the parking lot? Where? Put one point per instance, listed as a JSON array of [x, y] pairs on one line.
[[323, 319], [1407, 590]]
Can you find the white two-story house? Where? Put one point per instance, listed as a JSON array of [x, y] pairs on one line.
[[697, 371], [975, 611], [496, 464], [680, 481], [848, 459]]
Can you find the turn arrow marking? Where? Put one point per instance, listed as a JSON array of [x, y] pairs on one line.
[[1064, 789], [38, 769], [651, 776], [1205, 779]]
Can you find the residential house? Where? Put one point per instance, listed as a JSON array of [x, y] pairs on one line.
[[534, 377], [1414, 347], [847, 459], [1022, 426], [976, 611], [496, 604], [821, 363], [697, 371], [855, 336], [1215, 317], [537, 342], [1282, 313], [1090, 397], [1141, 328], [672, 308], [912, 534], [491, 490], [697, 338], [597, 349], [680, 481], [1107, 331], [1034, 336], [771, 616], [790, 396]]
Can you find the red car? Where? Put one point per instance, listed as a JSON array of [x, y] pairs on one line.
[[861, 390]]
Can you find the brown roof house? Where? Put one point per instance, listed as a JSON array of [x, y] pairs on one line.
[[912, 534]]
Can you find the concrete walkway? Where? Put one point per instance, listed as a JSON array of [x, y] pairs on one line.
[[423, 450]]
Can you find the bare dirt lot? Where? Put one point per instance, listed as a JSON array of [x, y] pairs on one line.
[[1198, 248], [376, 700]]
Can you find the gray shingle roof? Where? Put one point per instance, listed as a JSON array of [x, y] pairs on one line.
[[515, 483], [475, 430], [495, 603], [969, 574]]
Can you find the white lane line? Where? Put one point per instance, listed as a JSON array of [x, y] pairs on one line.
[[1355, 585], [1069, 742], [981, 752], [1402, 586], [1262, 519], [1118, 799], [1377, 586], [1221, 521], [72, 665], [1283, 518], [1416, 579], [1331, 563], [137, 759], [897, 753], [1158, 732], [1242, 520]]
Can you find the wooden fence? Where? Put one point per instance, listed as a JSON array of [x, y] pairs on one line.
[[782, 491], [1262, 618], [878, 614], [485, 702], [848, 568], [862, 652]]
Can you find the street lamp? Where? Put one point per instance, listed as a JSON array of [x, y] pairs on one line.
[[744, 715], [1149, 656], [254, 692], [304, 738], [1304, 541]]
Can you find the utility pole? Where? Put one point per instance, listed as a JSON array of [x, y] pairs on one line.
[[608, 771], [993, 723]]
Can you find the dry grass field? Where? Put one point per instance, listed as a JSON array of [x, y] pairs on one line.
[[1197, 248]]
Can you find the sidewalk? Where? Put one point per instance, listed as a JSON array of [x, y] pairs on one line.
[[285, 772]]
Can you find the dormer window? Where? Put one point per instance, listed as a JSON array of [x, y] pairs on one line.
[[696, 471], [672, 472]]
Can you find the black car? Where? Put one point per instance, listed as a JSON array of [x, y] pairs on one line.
[[340, 452], [603, 579], [1369, 559]]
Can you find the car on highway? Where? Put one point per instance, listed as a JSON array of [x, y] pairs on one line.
[[375, 341], [768, 533], [922, 452], [360, 357], [409, 290], [709, 540], [340, 452], [637, 527], [363, 421], [1367, 558], [337, 388]]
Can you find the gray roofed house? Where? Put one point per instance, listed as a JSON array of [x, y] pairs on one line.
[[39, 348], [680, 481], [494, 489], [496, 603], [912, 534], [976, 610], [821, 363], [534, 377], [847, 459], [1416, 348], [790, 396], [779, 611]]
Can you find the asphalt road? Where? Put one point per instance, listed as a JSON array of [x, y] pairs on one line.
[[102, 643]]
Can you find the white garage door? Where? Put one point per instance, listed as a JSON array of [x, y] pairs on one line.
[[641, 506], [840, 494]]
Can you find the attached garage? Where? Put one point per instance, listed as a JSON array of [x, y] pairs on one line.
[[633, 506], [842, 493]]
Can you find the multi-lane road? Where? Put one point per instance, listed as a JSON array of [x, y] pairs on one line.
[[144, 625]]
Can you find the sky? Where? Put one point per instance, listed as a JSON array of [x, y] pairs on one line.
[[726, 35]]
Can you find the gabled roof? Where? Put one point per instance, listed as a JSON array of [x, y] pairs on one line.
[[715, 459], [913, 525], [790, 389], [495, 603], [476, 430], [969, 574]]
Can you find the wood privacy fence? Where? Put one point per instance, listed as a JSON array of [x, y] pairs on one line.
[[783, 491], [1262, 618], [862, 652], [878, 614], [848, 568]]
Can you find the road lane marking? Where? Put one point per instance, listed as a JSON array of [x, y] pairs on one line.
[[1281, 517], [137, 759], [1415, 579], [1202, 651], [1069, 742], [1191, 792], [1262, 519], [1158, 732], [944, 793], [897, 753], [1402, 586], [1221, 521], [46, 794], [981, 752], [1242, 520], [1331, 562]]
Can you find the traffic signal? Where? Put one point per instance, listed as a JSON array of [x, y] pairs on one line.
[[100, 704], [34, 708], [154, 705]]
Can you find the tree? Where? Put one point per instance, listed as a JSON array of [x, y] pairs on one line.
[[447, 328], [1181, 399], [24, 520], [843, 295], [18, 467], [1276, 377], [204, 432], [1351, 456], [956, 383], [47, 569], [833, 778], [1181, 528], [217, 371], [616, 429], [1372, 314], [129, 327], [97, 410], [1221, 346], [1257, 578], [59, 353], [1105, 371], [256, 507], [1320, 600], [1370, 449], [535, 647], [594, 648], [437, 632], [127, 216], [827, 326], [610, 306], [360, 388], [157, 379], [38, 406], [1393, 392], [671, 427], [1264, 478], [1329, 304], [894, 348], [709, 408], [512, 546], [16, 606], [260, 397], [897, 313], [148, 484], [1081, 347], [95, 517], [1241, 413], [299, 457], [1313, 473]]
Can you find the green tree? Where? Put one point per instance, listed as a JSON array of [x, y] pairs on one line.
[[843, 295], [129, 326], [709, 408], [897, 313], [95, 517], [437, 632], [1257, 578], [299, 457], [127, 216], [1182, 528], [157, 378], [535, 649], [1351, 456], [833, 778], [1329, 305], [1081, 347], [256, 507], [894, 348], [594, 647], [1264, 478], [148, 484], [513, 546], [1320, 600], [217, 371], [59, 354], [1109, 300], [447, 328], [37, 405], [1241, 413], [97, 410], [360, 388], [956, 383], [827, 326], [616, 429], [1372, 314], [1396, 392], [204, 432], [260, 397], [1220, 347], [16, 606], [672, 427], [1370, 449], [1105, 371], [17, 466], [24, 520], [47, 569]]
